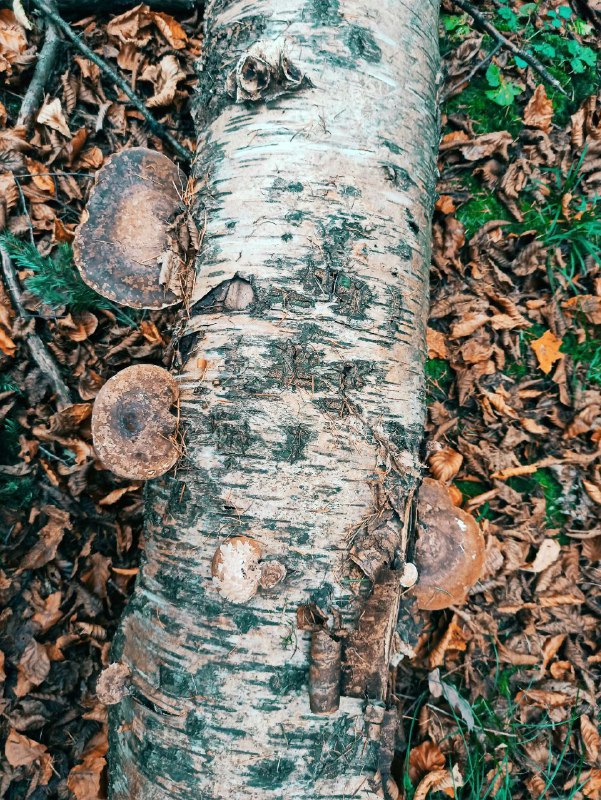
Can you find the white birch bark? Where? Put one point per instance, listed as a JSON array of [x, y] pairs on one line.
[[303, 400]]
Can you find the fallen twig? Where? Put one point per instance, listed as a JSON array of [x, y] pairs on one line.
[[156, 127], [39, 351], [43, 71], [489, 28]]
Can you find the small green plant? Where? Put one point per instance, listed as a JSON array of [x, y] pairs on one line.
[[55, 279], [503, 91]]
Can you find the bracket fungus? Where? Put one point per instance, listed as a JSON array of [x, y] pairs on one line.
[[449, 553], [133, 429], [127, 247], [238, 571]]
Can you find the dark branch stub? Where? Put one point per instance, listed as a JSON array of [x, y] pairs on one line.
[[324, 673], [263, 73], [127, 246]]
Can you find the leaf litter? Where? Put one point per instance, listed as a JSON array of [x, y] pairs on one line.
[[501, 698]]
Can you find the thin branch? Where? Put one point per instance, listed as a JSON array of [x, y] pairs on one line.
[[155, 126], [489, 28], [39, 351], [43, 72], [452, 90]]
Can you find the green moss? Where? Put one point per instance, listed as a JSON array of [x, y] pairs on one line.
[[361, 43], [297, 437], [325, 12], [439, 378], [288, 679], [480, 208], [586, 354], [246, 620], [544, 481], [487, 116], [269, 774]]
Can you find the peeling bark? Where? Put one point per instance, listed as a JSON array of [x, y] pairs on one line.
[[303, 402]]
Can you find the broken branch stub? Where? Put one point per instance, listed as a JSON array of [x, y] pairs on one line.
[[324, 673], [127, 247], [133, 429], [449, 553]]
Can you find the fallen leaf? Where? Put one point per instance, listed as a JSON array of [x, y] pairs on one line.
[[539, 110], [171, 29], [588, 304], [424, 758], [165, 80], [7, 345], [590, 738], [51, 115], [546, 350], [21, 751], [593, 491], [49, 538], [547, 554], [32, 669]]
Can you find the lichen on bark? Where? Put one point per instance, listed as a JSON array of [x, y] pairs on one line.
[[302, 410]]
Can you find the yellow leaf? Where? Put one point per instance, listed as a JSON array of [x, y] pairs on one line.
[[546, 350]]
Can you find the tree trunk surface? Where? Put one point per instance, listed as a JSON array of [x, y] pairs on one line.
[[302, 406]]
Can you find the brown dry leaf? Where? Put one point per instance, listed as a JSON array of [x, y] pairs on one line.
[[130, 27], [40, 177], [21, 751], [7, 345], [91, 158], [445, 204], [49, 538], [590, 738], [51, 115], [436, 342], [424, 758], [486, 145], [165, 79], [117, 494], [49, 612], [171, 29], [593, 491], [9, 194], [588, 304], [543, 699], [32, 669], [62, 232], [539, 111], [591, 784], [445, 464], [452, 639], [13, 40], [84, 779], [546, 350], [470, 323], [440, 781], [547, 554]]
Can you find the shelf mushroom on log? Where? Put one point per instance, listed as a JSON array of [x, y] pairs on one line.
[[129, 247], [449, 551], [133, 429]]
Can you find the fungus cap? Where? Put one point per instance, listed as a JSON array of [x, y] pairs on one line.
[[126, 236], [133, 428], [236, 570], [449, 553]]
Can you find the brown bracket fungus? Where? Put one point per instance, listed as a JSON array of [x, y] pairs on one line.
[[449, 553], [133, 429], [127, 246]]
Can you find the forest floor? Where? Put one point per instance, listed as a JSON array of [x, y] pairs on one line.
[[504, 691]]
